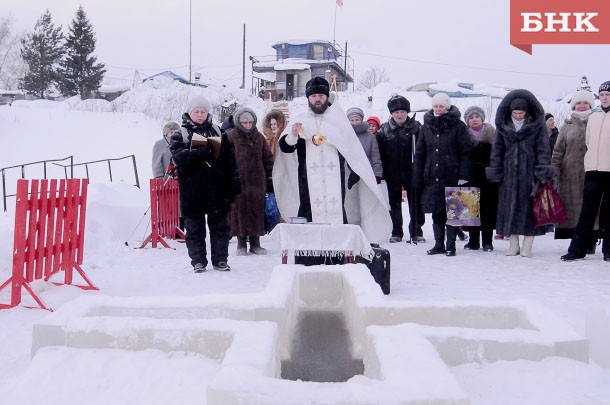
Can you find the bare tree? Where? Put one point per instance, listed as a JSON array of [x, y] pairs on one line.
[[11, 64], [373, 76]]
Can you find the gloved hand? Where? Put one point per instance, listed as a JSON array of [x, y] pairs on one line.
[[378, 179], [269, 188], [462, 182], [352, 180]]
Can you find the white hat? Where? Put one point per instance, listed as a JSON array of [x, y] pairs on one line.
[[198, 102], [583, 95], [441, 99]]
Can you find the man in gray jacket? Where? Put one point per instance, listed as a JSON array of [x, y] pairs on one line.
[[161, 155]]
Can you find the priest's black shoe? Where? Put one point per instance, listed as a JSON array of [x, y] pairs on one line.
[[450, 253], [607, 257]]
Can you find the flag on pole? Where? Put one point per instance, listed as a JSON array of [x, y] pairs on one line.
[[340, 3]]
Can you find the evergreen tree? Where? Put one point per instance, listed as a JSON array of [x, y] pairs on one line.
[[79, 72], [41, 51]]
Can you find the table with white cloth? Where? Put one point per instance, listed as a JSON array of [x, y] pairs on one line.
[[321, 240]]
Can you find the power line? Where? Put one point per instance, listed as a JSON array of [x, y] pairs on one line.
[[464, 66]]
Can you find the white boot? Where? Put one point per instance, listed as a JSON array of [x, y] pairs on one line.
[[526, 249], [513, 249]]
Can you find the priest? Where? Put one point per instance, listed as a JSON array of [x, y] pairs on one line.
[[322, 173]]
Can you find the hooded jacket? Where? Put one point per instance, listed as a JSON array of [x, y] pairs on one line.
[[519, 159]]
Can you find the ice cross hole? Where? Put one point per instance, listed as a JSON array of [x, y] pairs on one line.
[[407, 347]]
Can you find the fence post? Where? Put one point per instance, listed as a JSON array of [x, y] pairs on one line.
[[135, 170]]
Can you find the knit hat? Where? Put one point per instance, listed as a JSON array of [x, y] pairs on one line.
[[583, 95], [604, 87], [317, 85], [170, 128], [474, 110], [355, 111], [244, 113], [198, 102], [519, 104], [374, 120], [547, 116], [441, 99], [397, 103]]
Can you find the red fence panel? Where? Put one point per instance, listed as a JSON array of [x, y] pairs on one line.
[[164, 212], [49, 235]]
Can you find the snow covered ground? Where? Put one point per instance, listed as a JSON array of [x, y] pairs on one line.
[[33, 131]]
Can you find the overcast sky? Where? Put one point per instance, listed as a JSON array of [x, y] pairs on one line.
[[415, 41]]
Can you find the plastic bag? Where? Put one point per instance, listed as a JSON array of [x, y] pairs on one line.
[[547, 206], [272, 212]]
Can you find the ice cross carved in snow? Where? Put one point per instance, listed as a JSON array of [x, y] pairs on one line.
[[406, 346]]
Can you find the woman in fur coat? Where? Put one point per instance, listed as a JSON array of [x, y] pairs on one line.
[[520, 157], [569, 161], [255, 163], [482, 136]]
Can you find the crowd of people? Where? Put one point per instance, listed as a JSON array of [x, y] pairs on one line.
[[331, 166]]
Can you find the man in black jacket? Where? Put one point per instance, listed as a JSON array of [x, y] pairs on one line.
[[396, 140]]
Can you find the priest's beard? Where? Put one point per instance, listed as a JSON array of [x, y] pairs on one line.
[[318, 108]]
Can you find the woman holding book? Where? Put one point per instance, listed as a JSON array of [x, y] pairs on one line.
[[209, 180]]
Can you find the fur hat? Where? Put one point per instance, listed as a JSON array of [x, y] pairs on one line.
[[583, 95], [397, 103], [474, 110], [355, 111], [198, 102], [519, 104], [170, 128], [441, 99], [317, 85], [604, 87], [374, 120], [246, 113], [547, 116]]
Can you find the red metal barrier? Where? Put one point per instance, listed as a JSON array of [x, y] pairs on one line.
[[49, 235], [164, 212]]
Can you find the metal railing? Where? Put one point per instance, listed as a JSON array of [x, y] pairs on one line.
[[108, 161], [44, 164], [68, 170]]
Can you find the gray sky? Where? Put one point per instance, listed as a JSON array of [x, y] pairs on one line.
[[466, 40]]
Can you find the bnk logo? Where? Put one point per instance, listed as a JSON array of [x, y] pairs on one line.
[[559, 22]]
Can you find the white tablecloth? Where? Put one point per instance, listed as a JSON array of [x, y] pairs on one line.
[[319, 239]]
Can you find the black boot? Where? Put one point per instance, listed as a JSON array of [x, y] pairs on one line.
[[255, 246], [592, 246], [452, 232], [474, 242], [487, 236], [439, 239], [241, 246]]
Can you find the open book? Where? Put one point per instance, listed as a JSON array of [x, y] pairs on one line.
[[197, 141]]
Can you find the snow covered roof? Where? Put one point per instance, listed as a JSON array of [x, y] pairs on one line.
[[301, 41], [291, 66], [170, 74]]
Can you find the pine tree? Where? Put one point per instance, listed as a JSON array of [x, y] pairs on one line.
[[41, 51], [79, 71]]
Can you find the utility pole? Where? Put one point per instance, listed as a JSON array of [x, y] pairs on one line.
[[345, 67], [190, 39], [243, 62]]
